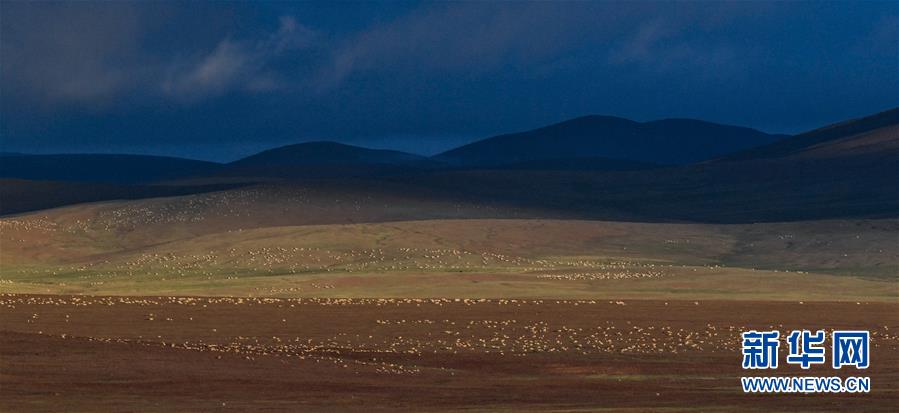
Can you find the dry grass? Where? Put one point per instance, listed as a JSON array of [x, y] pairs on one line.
[[295, 241]]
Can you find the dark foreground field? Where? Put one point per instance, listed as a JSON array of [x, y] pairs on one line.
[[70, 353]]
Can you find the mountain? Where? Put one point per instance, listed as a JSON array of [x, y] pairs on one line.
[[324, 160], [328, 153], [875, 143], [110, 168], [845, 170], [668, 141], [831, 136]]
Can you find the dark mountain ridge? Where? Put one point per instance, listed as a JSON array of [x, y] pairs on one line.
[[328, 153], [667, 141], [599, 143], [325, 159], [846, 170], [110, 168]]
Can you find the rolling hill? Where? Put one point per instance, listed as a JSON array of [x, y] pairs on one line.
[[846, 170], [327, 153], [19, 195], [109, 168], [578, 164], [323, 159], [669, 141], [843, 133], [849, 171]]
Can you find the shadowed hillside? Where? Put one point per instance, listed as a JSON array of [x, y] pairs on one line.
[[579, 164], [17, 195], [323, 160], [833, 172], [669, 141], [825, 135], [327, 153], [113, 168], [846, 170]]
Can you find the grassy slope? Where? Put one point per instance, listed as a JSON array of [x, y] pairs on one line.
[[297, 244]]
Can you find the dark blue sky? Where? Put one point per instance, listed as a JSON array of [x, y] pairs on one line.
[[222, 80]]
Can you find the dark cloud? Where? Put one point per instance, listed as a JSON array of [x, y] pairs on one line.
[[152, 76], [69, 52], [100, 53], [237, 64], [483, 38], [463, 37]]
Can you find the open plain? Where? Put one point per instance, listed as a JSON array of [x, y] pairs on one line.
[[291, 300], [89, 353]]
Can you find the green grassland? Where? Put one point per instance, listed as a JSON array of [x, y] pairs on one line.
[[264, 245]]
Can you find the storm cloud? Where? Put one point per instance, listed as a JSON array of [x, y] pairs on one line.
[[233, 77]]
